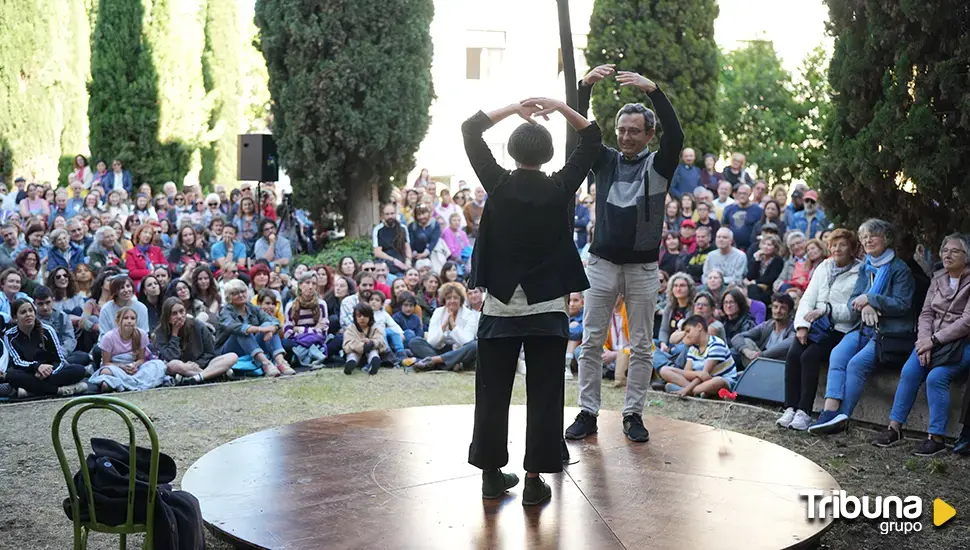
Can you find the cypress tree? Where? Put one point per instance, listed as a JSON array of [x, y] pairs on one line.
[[672, 43], [351, 88], [900, 121], [74, 55], [222, 70]]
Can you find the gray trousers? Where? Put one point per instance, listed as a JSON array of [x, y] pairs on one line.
[[639, 285], [465, 354]]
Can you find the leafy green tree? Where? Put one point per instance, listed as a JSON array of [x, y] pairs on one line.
[[668, 41], [351, 88], [900, 122], [223, 69], [760, 114], [814, 93]]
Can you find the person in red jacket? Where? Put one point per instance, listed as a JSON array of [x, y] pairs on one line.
[[142, 259]]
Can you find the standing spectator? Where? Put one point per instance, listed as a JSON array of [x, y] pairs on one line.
[[82, 172], [271, 247], [731, 262], [687, 177], [144, 256], [473, 212], [391, 241], [823, 318], [735, 173], [811, 220], [771, 339], [883, 298], [710, 177], [723, 199], [741, 217], [118, 178]]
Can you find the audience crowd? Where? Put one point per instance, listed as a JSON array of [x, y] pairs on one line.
[[107, 287]]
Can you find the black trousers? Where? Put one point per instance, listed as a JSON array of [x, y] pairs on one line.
[[801, 370], [68, 375], [497, 359]]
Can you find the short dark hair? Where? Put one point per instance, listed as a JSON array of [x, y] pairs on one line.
[[42, 293], [785, 299], [266, 294], [407, 298], [265, 222], [649, 118], [695, 320], [531, 144]]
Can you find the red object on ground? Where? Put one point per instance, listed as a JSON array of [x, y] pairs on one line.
[[723, 393]]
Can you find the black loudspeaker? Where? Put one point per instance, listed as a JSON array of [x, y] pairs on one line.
[[763, 380], [256, 158]]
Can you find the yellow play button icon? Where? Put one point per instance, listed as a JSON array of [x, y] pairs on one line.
[[942, 512]]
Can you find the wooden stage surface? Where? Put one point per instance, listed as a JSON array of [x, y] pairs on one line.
[[399, 479]]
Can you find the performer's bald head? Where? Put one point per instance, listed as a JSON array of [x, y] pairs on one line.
[[531, 145]]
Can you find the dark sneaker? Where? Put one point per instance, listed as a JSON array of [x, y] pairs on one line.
[[495, 483], [829, 422], [423, 365], [929, 447], [658, 384], [962, 446], [349, 366], [375, 365], [634, 429], [582, 427], [536, 491], [888, 438]]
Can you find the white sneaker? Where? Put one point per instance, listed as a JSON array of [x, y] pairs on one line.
[[801, 422], [74, 389], [569, 373], [786, 418]]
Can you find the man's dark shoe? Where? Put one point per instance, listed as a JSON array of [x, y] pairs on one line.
[[888, 438], [583, 426], [495, 483], [929, 447], [962, 446], [536, 491], [349, 366], [634, 429]]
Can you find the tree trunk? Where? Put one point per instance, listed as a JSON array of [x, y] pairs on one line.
[[360, 213]]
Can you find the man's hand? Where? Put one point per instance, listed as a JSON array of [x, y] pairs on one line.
[[44, 371], [599, 73], [802, 335], [626, 78], [870, 316], [814, 315]]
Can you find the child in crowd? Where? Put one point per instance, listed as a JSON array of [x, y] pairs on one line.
[[408, 319], [392, 331], [268, 302], [709, 367], [363, 341], [307, 323], [575, 331]]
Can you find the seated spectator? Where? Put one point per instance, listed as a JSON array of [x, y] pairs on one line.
[[576, 303], [365, 284], [455, 237], [473, 213], [381, 273], [61, 322], [475, 300], [144, 256], [797, 248], [122, 294], [38, 365], [105, 251], [710, 176], [672, 217], [67, 297], [688, 237], [391, 241], [63, 253], [703, 306], [449, 273], [688, 205], [735, 173], [188, 348], [247, 222], [680, 299], [741, 217], [342, 287], [187, 253], [413, 278], [694, 263], [34, 204], [764, 269], [271, 247], [393, 332], [228, 250], [811, 220], [941, 354], [239, 324], [446, 207], [194, 308], [815, 254], [29, 264], [126, 363], [307, 324], [205, 289], [771, 339], [427, 297], [731, 262], [715, 287], [451, 339], [705, 218], [408, 318], [687, 177], [821, 321], [581, 221], [723, 200], [150, 293], [735, 313], [883, 298], [671, 260], [12, 283], [616, 348], [771, 213], [78, 231], [363, 341], [12, 245], [424, 233], [709, 367]]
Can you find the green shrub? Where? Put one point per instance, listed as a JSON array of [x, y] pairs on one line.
[[359, 249]]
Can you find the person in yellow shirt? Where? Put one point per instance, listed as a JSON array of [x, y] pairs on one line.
[[616, 350]]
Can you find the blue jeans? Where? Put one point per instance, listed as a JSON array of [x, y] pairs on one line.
[[937, 390], [251, 344], [394, 341], [849, 364], [408, 336]]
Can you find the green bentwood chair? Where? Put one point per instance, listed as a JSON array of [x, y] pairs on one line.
[[82, 528]]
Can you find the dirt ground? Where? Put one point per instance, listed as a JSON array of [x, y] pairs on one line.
[[191, 421]]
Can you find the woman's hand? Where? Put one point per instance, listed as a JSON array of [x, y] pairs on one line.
[[814, 315], [870, 316], [802, 335], [598, 73], [609, 357], [543, 106], [664, 347], [860, 302], [130, 368], [44, 371], [924, 345]]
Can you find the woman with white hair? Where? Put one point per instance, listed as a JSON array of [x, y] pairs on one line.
[[105, 251], [63, 252], [212, 209], [245, 329]]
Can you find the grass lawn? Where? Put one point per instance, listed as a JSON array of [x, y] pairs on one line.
[[193, 420]]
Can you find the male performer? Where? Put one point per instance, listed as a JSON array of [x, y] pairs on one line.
[[631, 185], [526, 260]]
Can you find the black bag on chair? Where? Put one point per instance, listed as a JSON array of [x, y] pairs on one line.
[[894, 347]]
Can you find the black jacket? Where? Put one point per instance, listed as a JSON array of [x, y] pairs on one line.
[[178, 518], [29, 351], [525, 236]]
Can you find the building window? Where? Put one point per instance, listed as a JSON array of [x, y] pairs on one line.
[[483, 63]]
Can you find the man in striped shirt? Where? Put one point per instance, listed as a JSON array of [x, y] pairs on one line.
[[709, 366]]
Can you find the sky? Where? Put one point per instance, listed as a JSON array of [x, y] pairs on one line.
[[795, 26]]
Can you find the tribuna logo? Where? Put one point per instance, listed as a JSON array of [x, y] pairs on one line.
[[900, 514]]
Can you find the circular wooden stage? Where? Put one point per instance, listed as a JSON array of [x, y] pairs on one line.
[[397, 479]]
